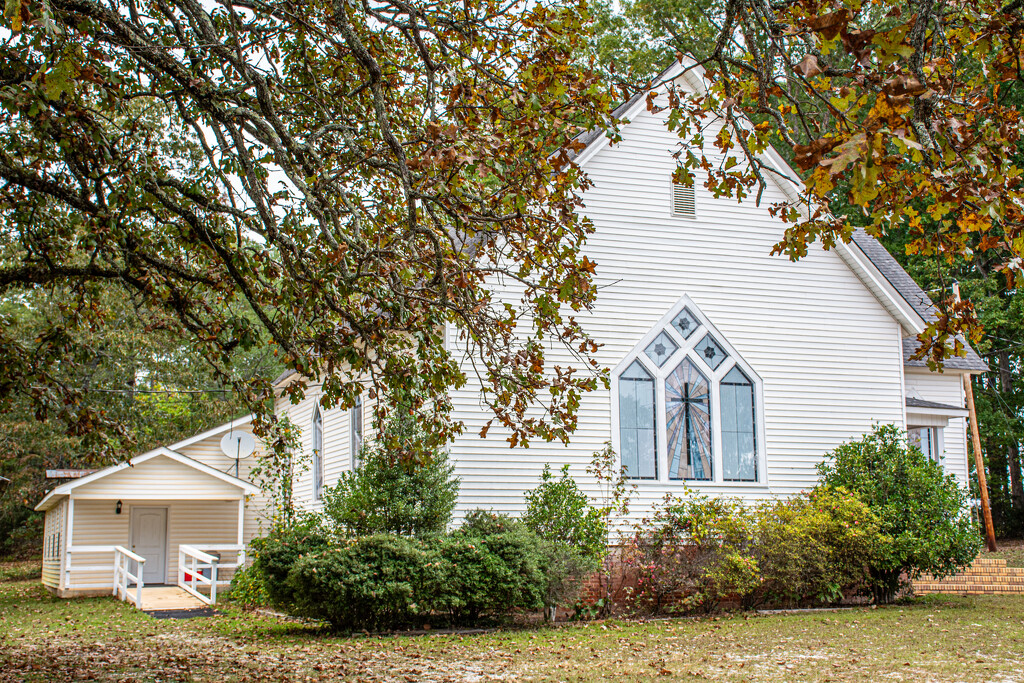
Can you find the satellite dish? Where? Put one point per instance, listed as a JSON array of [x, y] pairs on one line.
[[238, 445]]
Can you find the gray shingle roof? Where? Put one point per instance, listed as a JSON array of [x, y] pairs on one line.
[[283, 376], [921, 403], [972, 361], [919, 300], [588, 136]]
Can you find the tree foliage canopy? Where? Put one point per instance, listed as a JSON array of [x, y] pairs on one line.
[[338, 179], [898, 115]]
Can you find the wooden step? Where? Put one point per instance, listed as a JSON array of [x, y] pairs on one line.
[[168, 597]]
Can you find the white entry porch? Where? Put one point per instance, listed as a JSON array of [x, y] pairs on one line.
[[163, 520]]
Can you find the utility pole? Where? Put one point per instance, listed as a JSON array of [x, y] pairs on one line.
[[979, 463]]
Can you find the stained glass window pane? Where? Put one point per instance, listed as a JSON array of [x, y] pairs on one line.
[[710, 351], [637, 441], [686, 323], [661, 349], [739, 452], [688, 423]]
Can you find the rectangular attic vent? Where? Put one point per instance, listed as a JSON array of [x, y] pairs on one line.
[[683, 203]]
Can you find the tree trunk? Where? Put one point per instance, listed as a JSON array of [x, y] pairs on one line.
[[1013, 448]]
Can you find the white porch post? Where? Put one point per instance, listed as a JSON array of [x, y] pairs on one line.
[[241, 532], [65, 581]]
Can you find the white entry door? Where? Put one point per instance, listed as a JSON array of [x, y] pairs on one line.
[[149, 539]]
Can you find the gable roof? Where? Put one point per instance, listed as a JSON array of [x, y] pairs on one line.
[[222, 429], [51, 497], [899, 293]]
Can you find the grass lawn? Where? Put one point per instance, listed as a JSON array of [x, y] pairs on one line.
[[1010, 550], [930, 639]]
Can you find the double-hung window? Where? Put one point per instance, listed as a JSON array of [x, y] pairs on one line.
[[318, 453], [926, 440], [688, 405], [356, 431]]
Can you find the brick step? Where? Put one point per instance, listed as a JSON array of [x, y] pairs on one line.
[[981, 589], [966, 585], [986, 576], [989, 562], [960, 578], [969, 577]]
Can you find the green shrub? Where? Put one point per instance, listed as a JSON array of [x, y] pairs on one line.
[[249, 589], [563, 565], [814, 548], [371, 582], [576, 534], [559, 512], [384, 581], [481, 522], [491, 574], [693, 548], [275, 554], [402, 486], [921, 511]]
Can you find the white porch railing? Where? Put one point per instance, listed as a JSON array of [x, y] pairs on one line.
[[199, 570], [122, 575]]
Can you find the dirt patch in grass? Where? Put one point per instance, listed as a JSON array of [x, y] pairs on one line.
[[937, 638], [1011, 550]]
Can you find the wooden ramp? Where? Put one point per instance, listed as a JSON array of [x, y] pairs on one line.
[[156, 598], [985, 577]]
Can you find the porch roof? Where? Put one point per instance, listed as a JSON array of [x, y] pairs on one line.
[[194, 469]]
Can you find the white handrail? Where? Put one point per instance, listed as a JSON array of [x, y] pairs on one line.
[[192, 561], [122, 556]]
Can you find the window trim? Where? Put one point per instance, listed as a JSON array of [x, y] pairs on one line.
[[938, 438], [356, 427], [317, 430], [686, 349], [673, 189]]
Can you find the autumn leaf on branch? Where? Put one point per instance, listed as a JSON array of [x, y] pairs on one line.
[[898, 115], [354, 176]]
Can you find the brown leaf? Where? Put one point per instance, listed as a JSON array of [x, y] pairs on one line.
[[808, 156], [829, 25], [808, 67]]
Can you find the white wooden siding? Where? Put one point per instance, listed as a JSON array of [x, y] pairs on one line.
[[337, 442], [188, 522], [158, 477], [54, 537], [947, 388], [828, 352], [208, 452]]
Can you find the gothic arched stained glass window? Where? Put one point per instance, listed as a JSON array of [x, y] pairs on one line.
[[694, 418]]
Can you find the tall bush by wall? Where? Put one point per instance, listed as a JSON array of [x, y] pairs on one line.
[[922, 511], [402, 485]]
